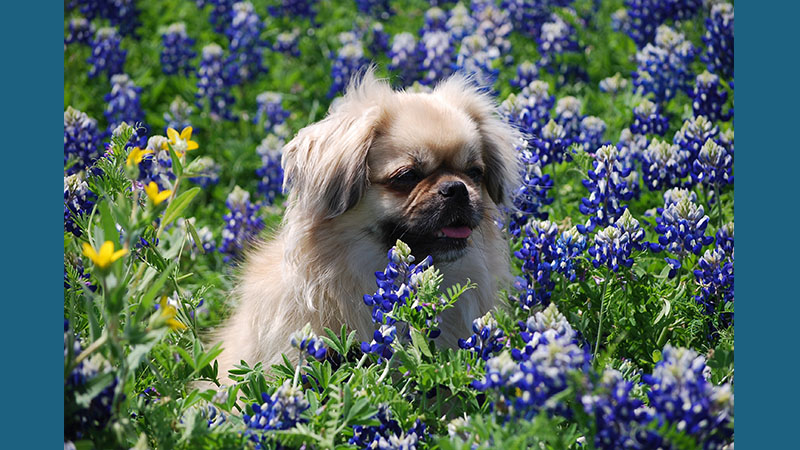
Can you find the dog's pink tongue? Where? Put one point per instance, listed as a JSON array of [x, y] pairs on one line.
[[457, 232]]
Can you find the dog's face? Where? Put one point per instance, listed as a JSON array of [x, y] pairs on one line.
[[426, 168]]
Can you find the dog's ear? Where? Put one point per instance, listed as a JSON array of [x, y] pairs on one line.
[[503, 167], [325, 165]]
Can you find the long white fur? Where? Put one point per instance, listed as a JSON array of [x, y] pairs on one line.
[[318, 266]]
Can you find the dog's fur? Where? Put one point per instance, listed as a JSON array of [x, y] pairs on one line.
[[344, 209]]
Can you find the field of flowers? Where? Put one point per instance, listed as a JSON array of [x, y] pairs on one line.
[[618, 332]]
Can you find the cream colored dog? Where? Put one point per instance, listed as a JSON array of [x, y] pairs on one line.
[[428, 168]]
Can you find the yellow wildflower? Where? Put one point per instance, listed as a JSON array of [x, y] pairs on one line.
[[136, 155], [182, 142], [156, 196], [105, 256], [168, 312]]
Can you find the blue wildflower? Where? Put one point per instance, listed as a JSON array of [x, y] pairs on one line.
[[157, 165], [552, 144], [715, 279], [78, 200], [614, 84], [713, 166], [436, 57], [242, 223], [347, 61], [270, 110], [681, 395], [379, 39], [245, 59], [527, 72], [476, 58], [718, 39], [569, 246], [591, 133], [280, 411], [487, 339], [530, 110], [387, 435], [375, 8], [106, 55], [537, 254], [177, 50], [530, 198], [435, 20], [663, 69], [220, 14], [178, 116], [529, 16], [693, 135], [608, 188], [381, 344], [681, 228], [614, 244], [270, 173], [556, 37], [460, 24], [206, 171], [631, 146], [123, 102], [647, 119], [664, 165], [212, 84], [302, 9], [308, 343], [122, 14], [80, 31], [708, 99], [724, 238], [287, 43], [404, 57], [568, 115], [644, 16], [81, 140]]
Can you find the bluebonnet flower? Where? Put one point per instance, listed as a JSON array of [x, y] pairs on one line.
[[81, 140], [75, 268], [693, 135], [537, 103], [555, 38], [308, 343], [435, 20], [80, 31], [379, 39], [718, 39], [681, 228], [207, 171], [178, 115], [349, 59], [552, 144], [495, 24], [645, 16], [302, 9], [388, 435], [620, 418], [569, 246], [724, 238], [122, 14], [663, 69], [460, 24], [280, 411], [715, 278], [647, 119], [177, 50], [713, 165], [621, 21], [530, 198], [156, 166], [106, 55], [220, 14], [681, 395], [79, 420], [404, 57], [287, 43], [526, 380], [568, 115], [475, 57], [487, 339], [664, 165], [212, 84], [78, 200], [381, 343], [613, 85], [591, 133], [631, 146], [526, 73], [375, 8], [608, 188], [246, 46], [242, 223], [395, 283], [270, 173], [123, 102], [613, 245], [529, 16], [436, 56], [726, 139], [270, 110], [537, 254], [708, 99]]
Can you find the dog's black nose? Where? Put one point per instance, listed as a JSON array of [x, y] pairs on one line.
[[455, 189]]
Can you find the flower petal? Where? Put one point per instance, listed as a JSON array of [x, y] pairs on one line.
[[186, 134], [173, 134], [191, 145]]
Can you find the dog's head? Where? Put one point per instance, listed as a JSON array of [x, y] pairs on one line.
[[428, 168]]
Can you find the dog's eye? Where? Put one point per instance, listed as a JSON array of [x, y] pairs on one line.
[[476, 174], [406, 179]]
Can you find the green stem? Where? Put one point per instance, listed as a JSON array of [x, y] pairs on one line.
[[296, 379], [91, 348], [602, 310], [385, 372]]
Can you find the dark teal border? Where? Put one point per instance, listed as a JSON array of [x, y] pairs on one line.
[[32, 239], [767, 275]]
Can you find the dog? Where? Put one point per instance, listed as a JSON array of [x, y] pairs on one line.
[[430, 169]]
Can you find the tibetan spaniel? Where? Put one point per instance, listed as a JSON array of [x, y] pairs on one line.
[[427, 168]]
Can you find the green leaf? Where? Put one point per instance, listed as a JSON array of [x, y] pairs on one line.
[[420, 342], [176, 206], [146, 302], [197, 242], [110, 232], [176, 162]]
